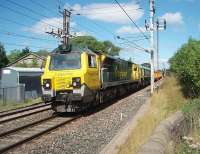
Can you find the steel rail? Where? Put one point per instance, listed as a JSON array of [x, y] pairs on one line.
[[28, 136], [22, 115], [2, 113]]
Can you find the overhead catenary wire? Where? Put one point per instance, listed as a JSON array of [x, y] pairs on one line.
[[102, 8], [133, 43], [17, 35], [26, 8], [29, 9], [103, 28], [25, 15], [24, 36], [24, 45], [135, 37], [128, 45], [15, 22], [131, 19], [105, 12], [43, 6], [91, 30]]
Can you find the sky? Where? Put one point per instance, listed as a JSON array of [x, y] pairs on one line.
[[24, 23]]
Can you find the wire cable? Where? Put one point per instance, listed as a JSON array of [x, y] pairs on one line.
[[43, 6], [136, 45], [23, 45], [106, 12], [131, 19], [24, 36], [23, 14], [12, 21]]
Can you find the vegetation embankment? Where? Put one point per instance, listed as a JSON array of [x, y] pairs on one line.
[[181, 92], [12, 105], [186, 64], [167, 100]]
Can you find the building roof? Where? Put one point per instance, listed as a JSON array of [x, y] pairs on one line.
[[23, 69], [30, 53]]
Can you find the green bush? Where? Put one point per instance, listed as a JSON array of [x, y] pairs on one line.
[[186, 64]]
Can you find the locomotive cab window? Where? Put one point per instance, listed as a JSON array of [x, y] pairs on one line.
[[92, 61], [65, 61]]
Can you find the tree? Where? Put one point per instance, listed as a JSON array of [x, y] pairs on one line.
[[44, 53], [25, 51], [93, 44], [3, 57], [14, 55], [186, 64]]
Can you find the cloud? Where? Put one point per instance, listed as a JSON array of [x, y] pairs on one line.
[[110, 12], [173, 18], [47, 24], [44, 25], [82, 33], [164, 63], [129, 30]]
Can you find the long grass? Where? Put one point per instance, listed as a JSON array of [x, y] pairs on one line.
[[192, 113], [167, 100]]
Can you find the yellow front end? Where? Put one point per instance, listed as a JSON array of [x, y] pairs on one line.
[[135, 72], [75, 83]]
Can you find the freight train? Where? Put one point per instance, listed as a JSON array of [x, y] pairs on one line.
[[78, 78]]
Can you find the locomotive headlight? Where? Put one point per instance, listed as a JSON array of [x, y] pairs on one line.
[[76, 82], [47, 84]]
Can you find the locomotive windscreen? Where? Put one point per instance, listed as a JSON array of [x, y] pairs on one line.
[[70, 60]]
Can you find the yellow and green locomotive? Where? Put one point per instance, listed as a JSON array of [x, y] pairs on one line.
[[78, 78]]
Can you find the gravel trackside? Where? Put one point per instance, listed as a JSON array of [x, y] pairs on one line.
[[92, 132]]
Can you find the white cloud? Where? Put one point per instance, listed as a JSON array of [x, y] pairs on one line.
[[44, 25], [163, 62], [110, 12], [82, 33], [47, 24], [173, 18], [129, 30]]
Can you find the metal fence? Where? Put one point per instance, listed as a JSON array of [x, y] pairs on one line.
[[12, 94]]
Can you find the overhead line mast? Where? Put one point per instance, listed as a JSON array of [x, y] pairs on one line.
[[66, 21], [160, 25], [64, 33], [152, 49]]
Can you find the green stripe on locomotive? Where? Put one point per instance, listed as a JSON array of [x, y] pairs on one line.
[[115, 70]]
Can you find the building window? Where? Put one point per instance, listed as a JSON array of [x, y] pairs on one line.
[[92, 61]]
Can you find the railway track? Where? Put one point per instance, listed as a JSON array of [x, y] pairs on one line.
[[20, 135], [22, 109], [9, 116]]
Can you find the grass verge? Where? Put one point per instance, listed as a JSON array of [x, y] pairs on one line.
[[192, 113], [167, 100], [13, 105]]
